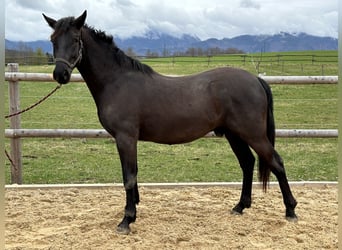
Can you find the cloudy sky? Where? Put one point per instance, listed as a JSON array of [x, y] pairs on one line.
[[202, 18]]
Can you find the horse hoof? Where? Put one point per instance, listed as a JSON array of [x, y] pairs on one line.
[[234, 212], [292, 218], [123, 230]]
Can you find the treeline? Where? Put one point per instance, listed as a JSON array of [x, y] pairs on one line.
[[26, 55], [192, 52]]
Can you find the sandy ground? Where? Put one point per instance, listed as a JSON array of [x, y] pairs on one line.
[[179, 218]]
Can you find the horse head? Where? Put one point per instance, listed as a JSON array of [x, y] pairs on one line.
[[67, 45]]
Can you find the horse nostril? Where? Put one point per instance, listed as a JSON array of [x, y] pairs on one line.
[[61, 75], [66, 75]]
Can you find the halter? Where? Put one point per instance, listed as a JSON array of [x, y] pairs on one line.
[[78, 59]]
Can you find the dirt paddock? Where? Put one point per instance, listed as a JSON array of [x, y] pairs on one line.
[[177, 218]]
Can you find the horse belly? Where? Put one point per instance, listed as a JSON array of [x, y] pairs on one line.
[[176, 129], [171, 136]]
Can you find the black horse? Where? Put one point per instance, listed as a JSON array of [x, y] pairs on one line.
[[136, 103]]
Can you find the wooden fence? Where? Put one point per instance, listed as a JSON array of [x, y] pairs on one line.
[[15, 133]]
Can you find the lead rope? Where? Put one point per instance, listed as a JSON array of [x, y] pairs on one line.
[[35, 104], [25, 110], [11, 161]]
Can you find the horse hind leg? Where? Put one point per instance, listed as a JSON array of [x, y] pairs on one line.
[[289, 200], [246, 161], [270, 160]]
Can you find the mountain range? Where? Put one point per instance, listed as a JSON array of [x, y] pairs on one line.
[[156, 42]]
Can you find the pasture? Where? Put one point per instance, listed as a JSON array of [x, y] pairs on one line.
[[271, 63], [96, 160]]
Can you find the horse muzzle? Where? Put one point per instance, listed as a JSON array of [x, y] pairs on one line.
[[62, 73]]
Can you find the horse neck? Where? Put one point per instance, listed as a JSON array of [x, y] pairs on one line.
[[96, 59]]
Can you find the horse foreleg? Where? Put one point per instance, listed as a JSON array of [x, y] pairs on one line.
[[127, 148], [246, 161]]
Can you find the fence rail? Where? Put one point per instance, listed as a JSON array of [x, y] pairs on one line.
[[42, 77], [15, 133], [101, 133], [198, 56]]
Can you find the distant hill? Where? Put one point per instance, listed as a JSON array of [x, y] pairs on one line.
[[274, 43], [45, 45], [155, 42]]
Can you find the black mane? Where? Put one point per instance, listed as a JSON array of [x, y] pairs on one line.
[[120, 57]]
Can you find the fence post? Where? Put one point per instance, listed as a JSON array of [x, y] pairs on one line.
[[14, 106], [209, 57]]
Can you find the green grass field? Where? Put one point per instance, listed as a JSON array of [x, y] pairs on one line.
[[272, 63], [96, 160]]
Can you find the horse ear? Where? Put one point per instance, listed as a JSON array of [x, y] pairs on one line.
[[79, 22], [50, 21]]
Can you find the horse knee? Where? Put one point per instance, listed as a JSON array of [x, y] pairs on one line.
[[278, 165], [278, 159]]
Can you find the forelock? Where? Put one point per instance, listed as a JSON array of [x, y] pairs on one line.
[[62, 26]]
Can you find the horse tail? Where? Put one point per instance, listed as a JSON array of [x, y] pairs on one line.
[[264, 170]]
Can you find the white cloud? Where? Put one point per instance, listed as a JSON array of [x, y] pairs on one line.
[[205, 19], [249, 4]]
